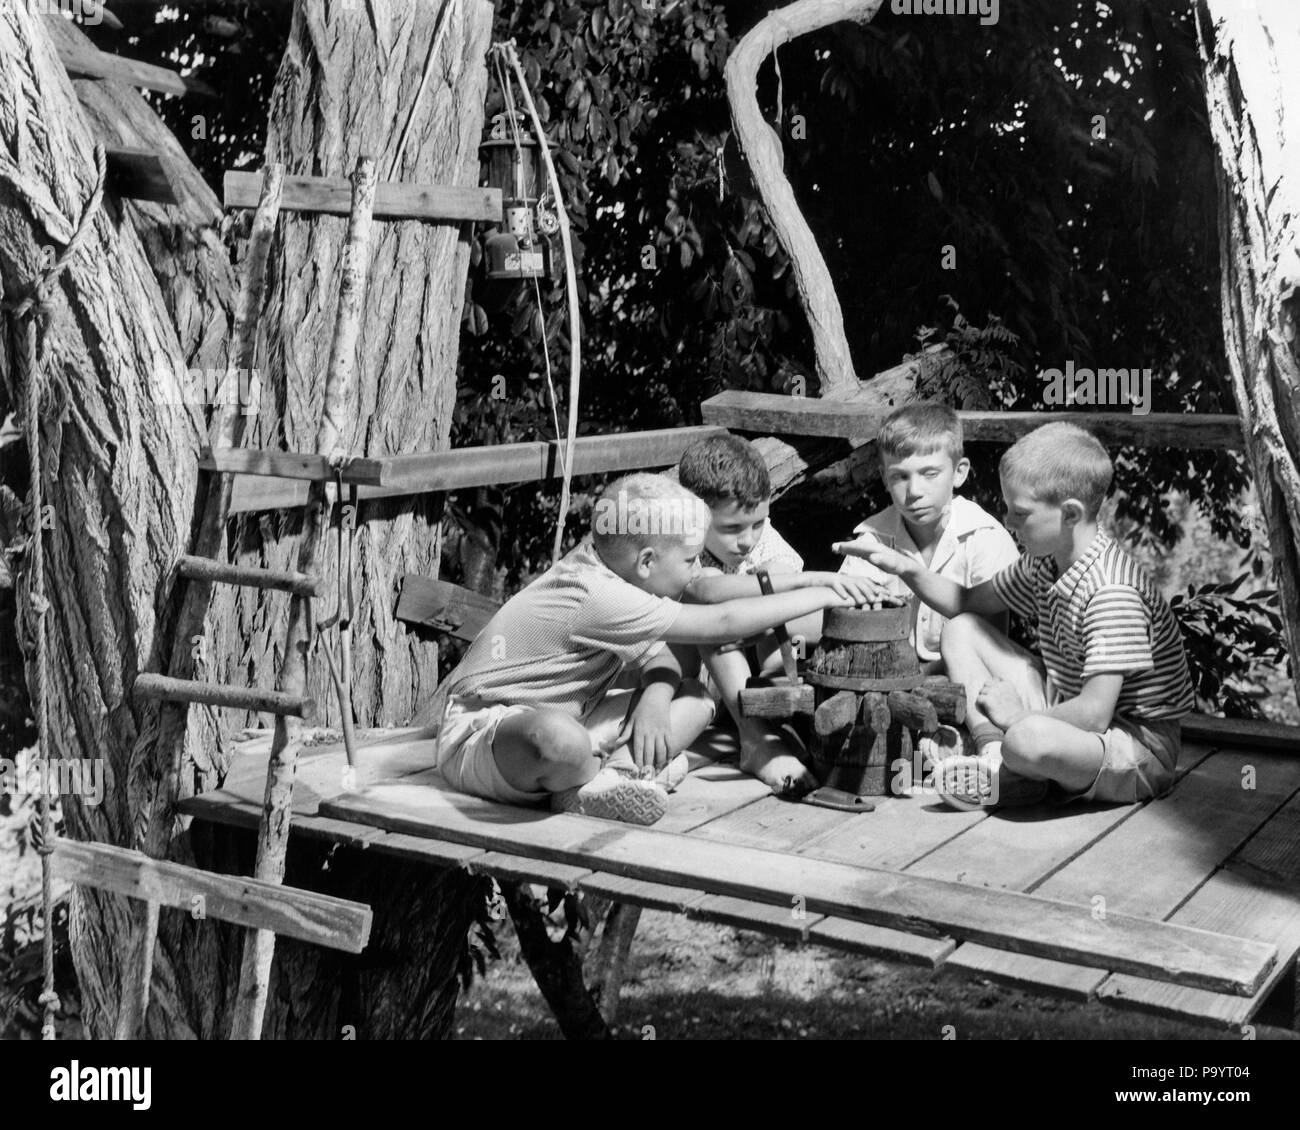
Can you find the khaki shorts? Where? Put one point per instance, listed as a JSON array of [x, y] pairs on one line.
[[1138, 757], [469, 727]]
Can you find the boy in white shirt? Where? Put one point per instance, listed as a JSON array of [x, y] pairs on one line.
[[922, 463]]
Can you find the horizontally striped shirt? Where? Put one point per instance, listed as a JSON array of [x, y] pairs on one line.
[[1103, 616], [563, 640]]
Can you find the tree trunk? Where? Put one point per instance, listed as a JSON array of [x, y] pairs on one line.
[[762, 147], [1253, 90], [149, 296]]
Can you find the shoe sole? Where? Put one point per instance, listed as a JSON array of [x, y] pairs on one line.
[[961, 799], [629, 802]]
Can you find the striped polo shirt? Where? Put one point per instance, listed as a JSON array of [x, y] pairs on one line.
[[1103, 616], [563, 640]]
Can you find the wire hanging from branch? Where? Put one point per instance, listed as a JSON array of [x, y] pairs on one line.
[[571, 280]]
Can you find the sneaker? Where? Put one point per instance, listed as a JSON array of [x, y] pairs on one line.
[[941, 744], [670, 776], [970, 783], [967, 783], [611, 795]]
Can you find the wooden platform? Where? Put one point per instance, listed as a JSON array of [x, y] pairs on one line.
[[1186, 907]]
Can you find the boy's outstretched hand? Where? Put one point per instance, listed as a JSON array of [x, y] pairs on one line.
[[858, 590], [871, 549]]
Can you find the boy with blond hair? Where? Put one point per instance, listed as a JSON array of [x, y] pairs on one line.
[[1098, 716], [530, 709]]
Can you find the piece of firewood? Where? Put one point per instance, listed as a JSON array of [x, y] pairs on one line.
[[948, 700], [913, 711], [837, 712]]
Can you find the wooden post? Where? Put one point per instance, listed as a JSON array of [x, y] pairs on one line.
[[273, 831], [762, 146]]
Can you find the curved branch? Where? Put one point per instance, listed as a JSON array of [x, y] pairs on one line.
[[762, 146]]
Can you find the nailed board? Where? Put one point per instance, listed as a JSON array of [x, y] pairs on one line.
[[775, 414], [1027, 924], [498, 464], [288, 911], [80, 62], [394, 200], [444, 606], [1190, 833]]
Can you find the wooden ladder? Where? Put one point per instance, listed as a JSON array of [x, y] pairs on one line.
[[261, 903]]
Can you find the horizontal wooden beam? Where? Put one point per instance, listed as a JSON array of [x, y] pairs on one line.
[[82, 63], [1242, 733], [487, 466], [288, 465], [393, 200], [780, 701], [290, 912], [1029, 924], [138, 174], [205, 569], [774, 414], [162, 688]]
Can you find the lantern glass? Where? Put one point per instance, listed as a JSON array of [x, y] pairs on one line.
[[516, 171]]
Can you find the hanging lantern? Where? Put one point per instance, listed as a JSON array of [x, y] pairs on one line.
[[510, 160]]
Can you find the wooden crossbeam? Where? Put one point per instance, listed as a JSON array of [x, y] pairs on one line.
[[488, 466], [774, 414], [162, 688], [205, 569], [82, 63], [139, 174], [289, 911], [780, 701], [288, 465], [393, 200]]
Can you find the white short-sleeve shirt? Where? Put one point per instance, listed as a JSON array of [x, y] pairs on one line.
[[973, 547]]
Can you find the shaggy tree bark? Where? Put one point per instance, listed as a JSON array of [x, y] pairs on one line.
[[1253, 90], [148, 297], [762, 146]]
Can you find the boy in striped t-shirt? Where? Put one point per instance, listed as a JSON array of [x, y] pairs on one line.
[[1098, 716], [532, 705]]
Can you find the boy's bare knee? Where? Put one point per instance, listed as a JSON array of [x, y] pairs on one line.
[[1027, 743], [555, 738]]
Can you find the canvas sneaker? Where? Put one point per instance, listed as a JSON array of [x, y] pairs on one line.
[[969, 783], [670, 776], [941, 744], [611, 795]]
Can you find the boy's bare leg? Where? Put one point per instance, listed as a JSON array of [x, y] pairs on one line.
[[689, 714], [976, 653], [767, 750]]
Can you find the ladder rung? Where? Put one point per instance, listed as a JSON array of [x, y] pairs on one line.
[[205, 569], [289, 465], [151, 686]]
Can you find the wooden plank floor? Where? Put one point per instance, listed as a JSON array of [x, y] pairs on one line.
[[1214, 856]]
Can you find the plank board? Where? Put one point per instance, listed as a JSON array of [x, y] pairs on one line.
[[652, 896], [1028, 924], [787, 923], [138, 174], [1018, 848], [394, 200], [852, 418], [776, 825], [302, 465], [441, 605], [1256, 895], [288, 911], [900, 831], [708, 793], [1189, 833], [80, 62], [519, 868], [1242, 733], [498, 464], [877, 941]]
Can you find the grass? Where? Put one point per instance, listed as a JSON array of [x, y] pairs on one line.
[[698, 981]]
